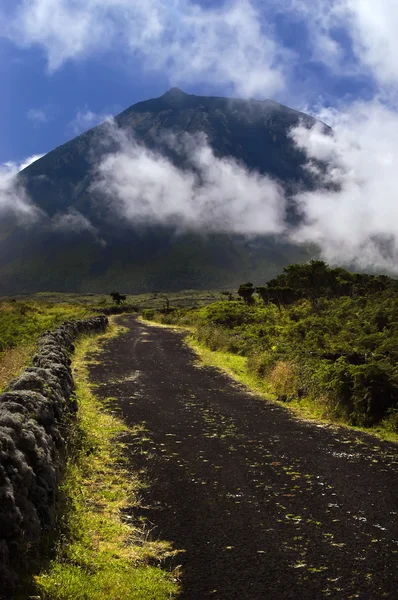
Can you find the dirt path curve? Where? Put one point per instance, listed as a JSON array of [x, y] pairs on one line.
[[264, 505]]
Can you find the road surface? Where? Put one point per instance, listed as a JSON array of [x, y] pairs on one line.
[[264, 505]]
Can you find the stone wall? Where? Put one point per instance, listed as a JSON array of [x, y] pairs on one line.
[[36, 411]]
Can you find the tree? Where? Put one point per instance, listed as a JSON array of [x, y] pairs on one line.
[[118, 298], [246, 291], [311, 280], [279, 295], [165, 298]]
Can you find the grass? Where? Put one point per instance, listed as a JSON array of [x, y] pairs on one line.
[[232, 364], [24, 322], [102, 555], [236, 367], [13, 362], [21, 324]]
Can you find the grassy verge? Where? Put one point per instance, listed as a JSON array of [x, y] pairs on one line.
[[21, 324], [13, 362], [101, 555], [237, 368]]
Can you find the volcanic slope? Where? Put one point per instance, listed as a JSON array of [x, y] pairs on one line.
[[262, 505], [137, 257]]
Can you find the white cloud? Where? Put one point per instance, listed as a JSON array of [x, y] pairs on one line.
[[213, 194], [370, 45], [72, 221], [225, 45], [354, 219], [14, 199], [86, 119], [16, 203], [11, 168], [37, 116], [373, 29]]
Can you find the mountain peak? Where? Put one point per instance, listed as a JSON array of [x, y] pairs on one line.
[[175, 91], [252, 133], [175, 94]]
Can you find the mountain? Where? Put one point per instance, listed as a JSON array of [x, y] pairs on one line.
[[137, 257]]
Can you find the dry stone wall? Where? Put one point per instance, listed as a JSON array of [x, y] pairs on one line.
[[36, 411]]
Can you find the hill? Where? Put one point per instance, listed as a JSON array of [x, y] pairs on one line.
[[94, 253]]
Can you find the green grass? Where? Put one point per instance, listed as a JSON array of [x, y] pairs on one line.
[[21, 324], [232, 364], [100, 555], [237, 367], [24, 322]]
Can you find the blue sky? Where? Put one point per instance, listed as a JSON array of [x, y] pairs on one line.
[[46, 100]]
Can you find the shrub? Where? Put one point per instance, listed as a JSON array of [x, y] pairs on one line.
[[282, 378], [149, 314]]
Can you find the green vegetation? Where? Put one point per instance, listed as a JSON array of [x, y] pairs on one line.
[[315, 337], [22, 323], [101, 554]]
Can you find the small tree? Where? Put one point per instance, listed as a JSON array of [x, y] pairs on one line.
[[118, 298], [246, 291], [165, 298]]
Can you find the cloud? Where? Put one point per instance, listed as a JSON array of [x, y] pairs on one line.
[[225, 45], [374, 34], [73, 221], [354, 218], [14, 200], [86, 119], [37, 116], [11, 168], [16, 203], [209, 194], [352, 36]]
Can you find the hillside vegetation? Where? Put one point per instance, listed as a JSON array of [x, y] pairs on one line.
[[316, 336]]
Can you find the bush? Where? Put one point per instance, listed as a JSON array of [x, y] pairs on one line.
[[363, 393], [149, 314]]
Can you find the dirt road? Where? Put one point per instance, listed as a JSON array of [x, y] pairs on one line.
[[265, 506]]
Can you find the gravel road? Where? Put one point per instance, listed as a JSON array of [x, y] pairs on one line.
[[265, 506]]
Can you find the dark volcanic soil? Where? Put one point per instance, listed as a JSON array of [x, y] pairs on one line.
[[264, 505]]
